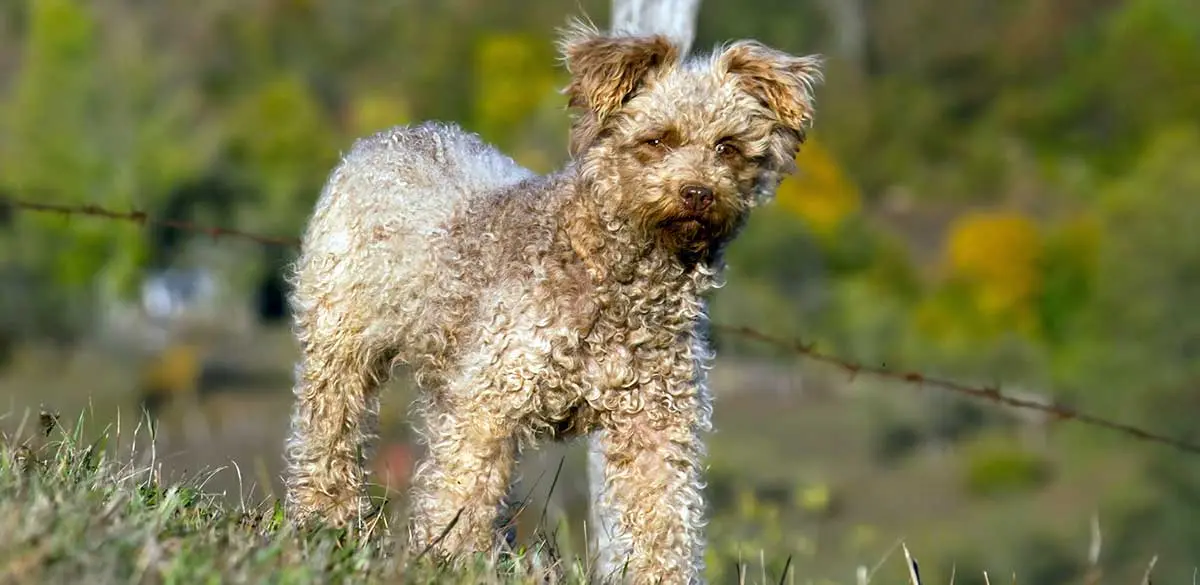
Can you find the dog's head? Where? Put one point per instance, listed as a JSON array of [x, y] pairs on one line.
[[685, 148]]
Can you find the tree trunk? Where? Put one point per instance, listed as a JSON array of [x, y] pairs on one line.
[[848, 19], [674, 18]]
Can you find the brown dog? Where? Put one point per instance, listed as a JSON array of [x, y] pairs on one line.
[[534, 307]]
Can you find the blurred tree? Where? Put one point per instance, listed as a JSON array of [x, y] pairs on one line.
[[1068, 265], [372, 110], [282, 142], [1142, 339], [1148, 270], [74, 136], [1095, 102], [512, 74]]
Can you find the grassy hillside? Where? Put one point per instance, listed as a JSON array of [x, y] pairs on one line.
[[72, 513], [803, 466], [99, 511]]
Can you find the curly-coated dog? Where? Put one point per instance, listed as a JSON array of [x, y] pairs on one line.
[[543, 307]]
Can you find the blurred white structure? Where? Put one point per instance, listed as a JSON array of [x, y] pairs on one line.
[[674, 18], [169, 295]]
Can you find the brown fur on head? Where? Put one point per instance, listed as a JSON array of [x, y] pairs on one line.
[[682, 149]]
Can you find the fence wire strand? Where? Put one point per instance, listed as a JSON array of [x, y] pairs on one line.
[[797, 348], [989, 393], [141, 218]]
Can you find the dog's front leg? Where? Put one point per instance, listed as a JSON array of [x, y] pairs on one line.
[[652, 463]]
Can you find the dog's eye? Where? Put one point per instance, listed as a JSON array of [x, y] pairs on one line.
[[653, 142], [726, 149]]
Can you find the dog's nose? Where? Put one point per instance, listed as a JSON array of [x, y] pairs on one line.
[[697, 198]]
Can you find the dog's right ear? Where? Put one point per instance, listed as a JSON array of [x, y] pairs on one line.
[[605, 70]]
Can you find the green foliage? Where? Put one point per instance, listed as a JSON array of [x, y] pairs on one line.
[[73, 136], [281, 141], [1068, 267], [1120, 82], [1141, 359], [512, 75]]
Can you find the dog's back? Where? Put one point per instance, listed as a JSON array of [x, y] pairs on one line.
[[419, 175], [377, 230]]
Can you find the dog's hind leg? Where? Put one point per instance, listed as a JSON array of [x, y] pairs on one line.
[[333, 426]]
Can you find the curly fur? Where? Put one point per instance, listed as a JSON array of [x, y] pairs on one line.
[[542, 307]]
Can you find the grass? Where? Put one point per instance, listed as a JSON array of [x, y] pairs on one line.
[[73, 512], [76, 511]]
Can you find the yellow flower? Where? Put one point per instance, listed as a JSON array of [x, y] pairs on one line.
[[820, 192], [998, 255]]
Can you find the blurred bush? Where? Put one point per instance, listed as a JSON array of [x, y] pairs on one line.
[[894, 439], [820, 193], [996, 257], [999, 466], [170, 376]]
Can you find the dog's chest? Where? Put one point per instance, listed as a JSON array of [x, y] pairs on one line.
[[613, 348]]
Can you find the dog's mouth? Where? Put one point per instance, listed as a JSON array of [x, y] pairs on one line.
[[683, 230], [686, 229], [693, 221], [686, 219]]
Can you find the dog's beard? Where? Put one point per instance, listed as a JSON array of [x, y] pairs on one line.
[[689, 234]]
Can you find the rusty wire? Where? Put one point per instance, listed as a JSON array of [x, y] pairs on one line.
[[141, 218], [989, 393]]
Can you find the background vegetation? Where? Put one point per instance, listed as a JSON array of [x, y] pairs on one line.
[[1000, 192]]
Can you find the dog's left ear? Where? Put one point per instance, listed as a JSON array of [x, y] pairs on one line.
[[605, 70], [783, 83]]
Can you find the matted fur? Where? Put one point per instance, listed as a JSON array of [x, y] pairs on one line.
[[542, 307]]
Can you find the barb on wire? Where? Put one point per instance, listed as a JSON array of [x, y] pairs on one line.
[[986, 393], [142, 218], [803, 350]]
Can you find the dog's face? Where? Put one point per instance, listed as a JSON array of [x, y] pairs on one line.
[[685, 149]]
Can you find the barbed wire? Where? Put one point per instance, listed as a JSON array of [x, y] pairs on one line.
[[989, 393], [800, 349], [142, 219]]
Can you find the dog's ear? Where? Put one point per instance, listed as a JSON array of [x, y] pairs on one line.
[[606, 69], [783, 83]]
